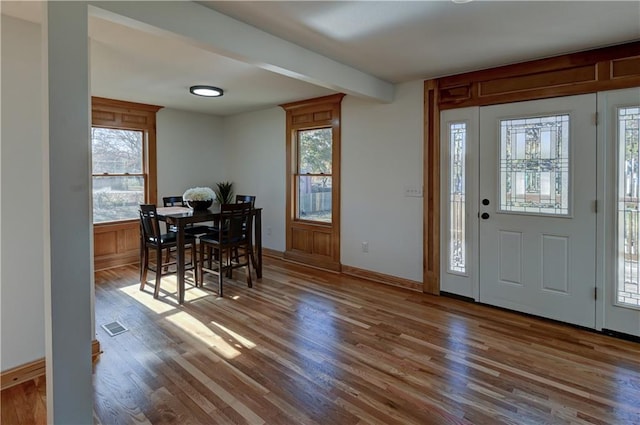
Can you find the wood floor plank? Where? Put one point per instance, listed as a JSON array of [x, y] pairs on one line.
[[310, 347]]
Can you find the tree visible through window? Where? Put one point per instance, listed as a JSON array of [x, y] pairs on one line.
[[118, 177], [314, 178]]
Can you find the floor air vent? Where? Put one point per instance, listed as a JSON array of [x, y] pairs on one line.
[[114, 328]]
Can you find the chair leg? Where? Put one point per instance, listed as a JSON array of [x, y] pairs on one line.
[[201, 263], [253, 257], [220, 272], [247, 259], [236, 254], [142, 249], [167, 258], [194, 262], [145, 268], [156, 290]]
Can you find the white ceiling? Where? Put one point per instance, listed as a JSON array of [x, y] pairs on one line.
[[390, 41]]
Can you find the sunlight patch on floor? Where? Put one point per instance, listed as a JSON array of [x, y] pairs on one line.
[[198, 330], [168, 299], [145, 298], [242, 340], [191, 293]]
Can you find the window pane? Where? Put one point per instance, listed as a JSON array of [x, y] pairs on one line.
[[457, 237], [534, 165], [116, 151], [314, 198], [628, 206], [314, 151], [117, 198]]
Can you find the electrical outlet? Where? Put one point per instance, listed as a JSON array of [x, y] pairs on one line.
[[365, 246], [269, 231], [413, 192]]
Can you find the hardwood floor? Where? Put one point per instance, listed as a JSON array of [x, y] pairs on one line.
[[24, 404], [309, 347]]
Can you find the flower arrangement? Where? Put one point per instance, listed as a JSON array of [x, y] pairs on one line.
[[199, 194]]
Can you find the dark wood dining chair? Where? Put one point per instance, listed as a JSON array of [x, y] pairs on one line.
[[246, 198], [173, 201], [178, 201], [153, 238], [252, 200], [217, 249], [239, 199]]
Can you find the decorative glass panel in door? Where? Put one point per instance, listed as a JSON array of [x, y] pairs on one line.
[[534, 165], [457, 192], [619, 112], [459, 199], [628, 282]]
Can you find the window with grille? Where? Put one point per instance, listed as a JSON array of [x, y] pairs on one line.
[[117, 173], [313, 177]]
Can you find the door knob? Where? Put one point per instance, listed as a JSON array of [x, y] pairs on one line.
[[485, 201], [485, 216]]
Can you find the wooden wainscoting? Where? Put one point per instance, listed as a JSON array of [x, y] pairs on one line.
[[314, 245], [116, 244]]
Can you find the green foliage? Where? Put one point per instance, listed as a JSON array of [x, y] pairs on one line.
[[315, 148], [224, 192]]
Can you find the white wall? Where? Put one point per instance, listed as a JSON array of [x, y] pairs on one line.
[[190, 151], [256, 152], [381, 154], [23, 186]]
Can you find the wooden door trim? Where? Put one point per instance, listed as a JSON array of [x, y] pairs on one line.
[[609, 68]]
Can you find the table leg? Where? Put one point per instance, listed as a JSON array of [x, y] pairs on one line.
[[180, 260], [258, 238]]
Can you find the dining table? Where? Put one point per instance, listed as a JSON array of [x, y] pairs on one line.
[[180, 217]]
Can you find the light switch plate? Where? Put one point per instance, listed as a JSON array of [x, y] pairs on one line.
[[413, 192]]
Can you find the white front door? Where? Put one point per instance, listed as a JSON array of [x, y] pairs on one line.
[[537, 192]]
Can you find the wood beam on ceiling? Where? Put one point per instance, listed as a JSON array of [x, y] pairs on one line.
[[220, 34]]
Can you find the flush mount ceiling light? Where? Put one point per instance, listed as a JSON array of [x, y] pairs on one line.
[[461, 1], [206, 91]]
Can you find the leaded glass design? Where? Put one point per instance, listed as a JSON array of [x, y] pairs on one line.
[[457, 245], [534, 165], [628, 206]]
